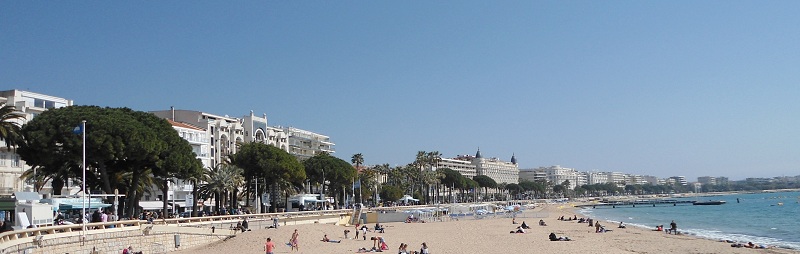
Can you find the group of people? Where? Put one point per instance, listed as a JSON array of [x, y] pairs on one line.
[[243, 225], [403, 249], [129, 250], [575, 217], [521, 228], [294, 243], [673, 228]]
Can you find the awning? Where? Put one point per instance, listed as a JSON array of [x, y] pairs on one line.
[[152, 205], [65, 206]]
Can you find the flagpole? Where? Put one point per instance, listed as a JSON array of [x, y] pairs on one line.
[[83, 213]]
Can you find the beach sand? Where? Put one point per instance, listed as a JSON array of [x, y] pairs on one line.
[[481, 236]]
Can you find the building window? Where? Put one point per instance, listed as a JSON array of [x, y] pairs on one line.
[[3, 158], [39, 103], [15, 161]]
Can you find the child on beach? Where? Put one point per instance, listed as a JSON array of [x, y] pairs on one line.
[[269, 246]]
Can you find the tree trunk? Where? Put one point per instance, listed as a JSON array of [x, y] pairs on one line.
[[104, 177], [194, 198], [165, 194], [58, 184], [131, 195], [272, 198]]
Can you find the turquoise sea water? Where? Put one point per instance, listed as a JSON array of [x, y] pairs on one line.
[[757, 218]]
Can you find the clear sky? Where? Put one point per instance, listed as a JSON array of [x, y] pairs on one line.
[[660, 88]]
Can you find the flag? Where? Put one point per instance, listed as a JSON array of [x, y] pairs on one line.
[[357, 184], [78, 129]]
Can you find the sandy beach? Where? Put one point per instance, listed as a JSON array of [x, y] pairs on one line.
[[482, 236]]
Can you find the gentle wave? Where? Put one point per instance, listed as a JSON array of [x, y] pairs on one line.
[[756, 219]]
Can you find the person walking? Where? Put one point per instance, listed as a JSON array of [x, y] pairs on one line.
[[673, 228], [269, 246], [294, 241]]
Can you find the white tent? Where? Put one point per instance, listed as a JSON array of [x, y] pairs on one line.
[[407, 199]]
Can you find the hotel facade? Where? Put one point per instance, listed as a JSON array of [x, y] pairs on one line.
[[470, 166]]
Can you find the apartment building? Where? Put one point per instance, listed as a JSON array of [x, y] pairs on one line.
[[305, 144], [29, 105]]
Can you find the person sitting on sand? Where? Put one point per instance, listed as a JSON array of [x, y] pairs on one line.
[[424, 249], [513, 220], [621, 225], [750, 245], [659, 228], [378, 228], [541, 223], [402, 249], [346, 232], [327, 240], [525, 226]]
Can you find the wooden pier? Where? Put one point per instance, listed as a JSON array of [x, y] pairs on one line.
[[640, 203]]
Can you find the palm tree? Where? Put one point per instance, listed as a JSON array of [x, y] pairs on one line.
[[358, 159], [222, 180], [145, 181], [9, 125]]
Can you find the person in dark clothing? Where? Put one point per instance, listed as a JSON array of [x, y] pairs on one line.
[[6, 226], [96, 217]]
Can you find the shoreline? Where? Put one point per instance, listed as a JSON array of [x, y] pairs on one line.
[[644, 228], [487, 235]]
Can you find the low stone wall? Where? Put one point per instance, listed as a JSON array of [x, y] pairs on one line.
[[159, 237], [156, 239]]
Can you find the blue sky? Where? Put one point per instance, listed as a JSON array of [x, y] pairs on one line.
[[660, 88]]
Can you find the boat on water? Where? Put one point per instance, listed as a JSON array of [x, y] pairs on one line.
[[710, 202]]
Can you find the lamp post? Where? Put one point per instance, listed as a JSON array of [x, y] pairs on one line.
[[83, 182]]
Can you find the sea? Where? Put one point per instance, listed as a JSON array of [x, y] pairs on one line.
[[762, 218]]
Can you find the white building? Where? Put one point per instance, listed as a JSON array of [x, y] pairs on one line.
[[28, 104], [500, 171], [223, 132], [557, 175], [532, 175], [197, 138], [459, 164], [305, 144], [677, 180], [597, 178], [471, 166], [256, 129], [710, 180]]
